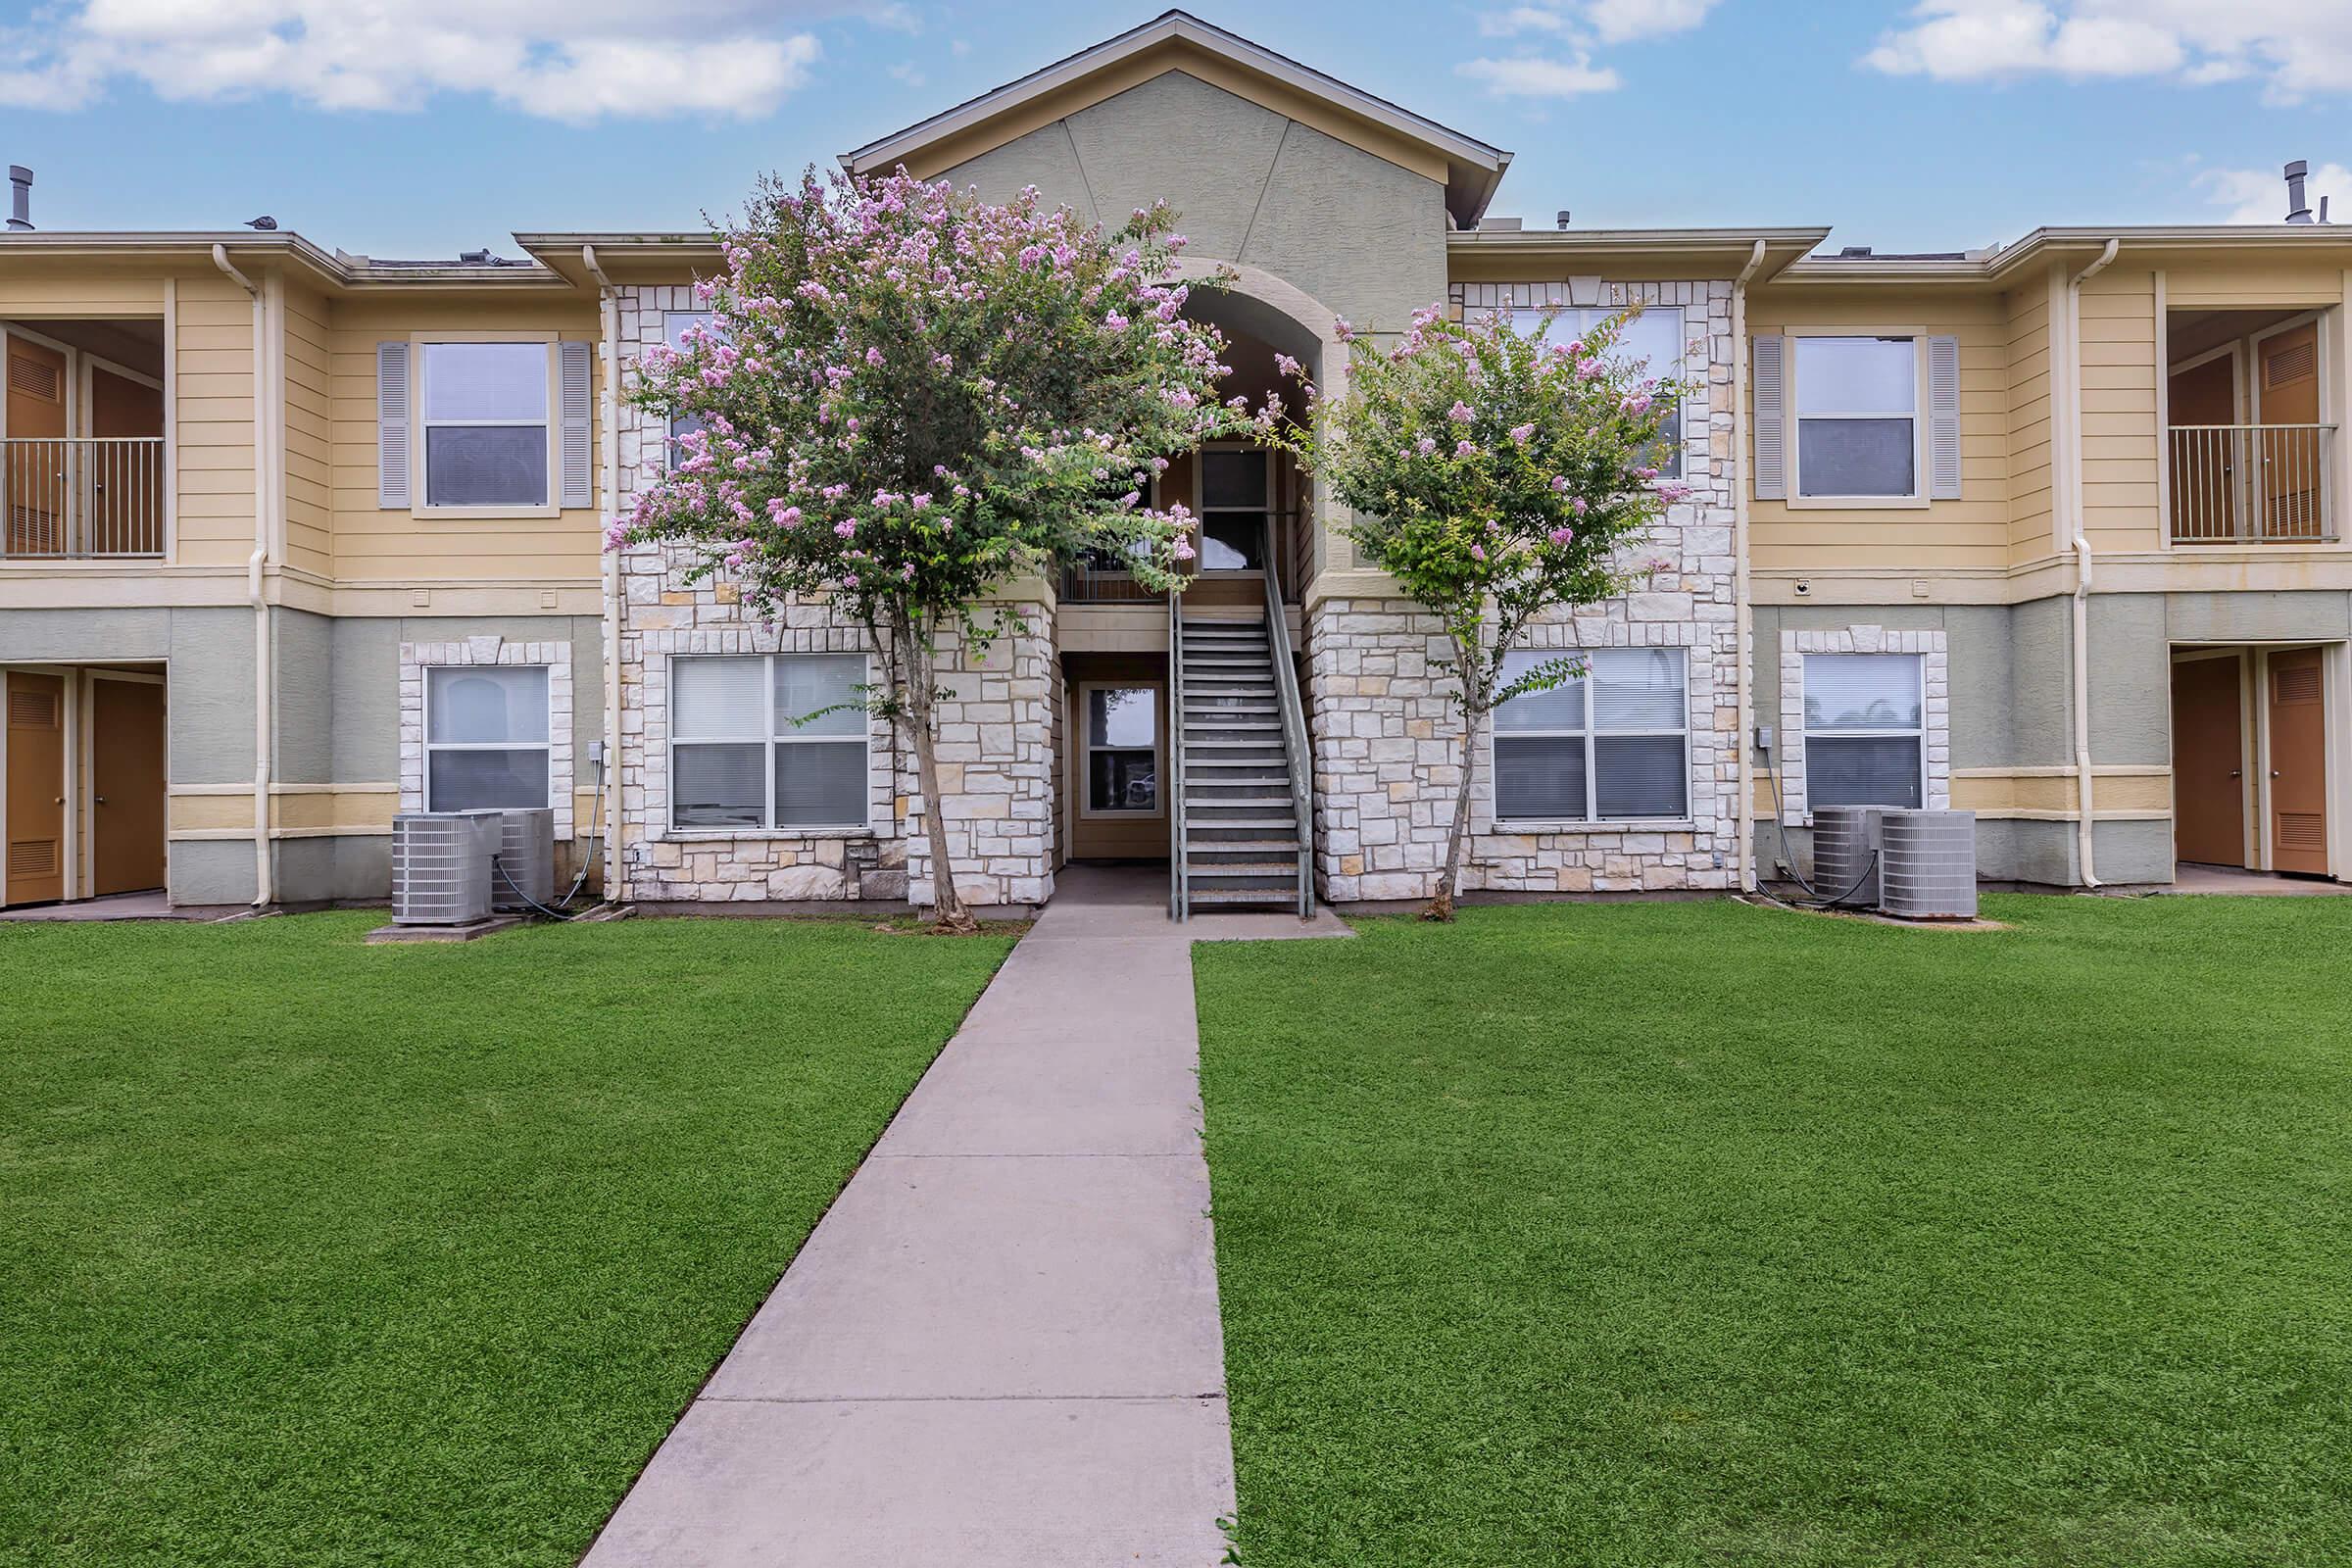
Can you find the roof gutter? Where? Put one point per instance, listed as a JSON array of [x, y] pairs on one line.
[[264, 883], [2085, 824], [1744, 603]]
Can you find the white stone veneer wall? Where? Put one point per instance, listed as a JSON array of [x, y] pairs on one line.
[[995, 739], [1388, 742]]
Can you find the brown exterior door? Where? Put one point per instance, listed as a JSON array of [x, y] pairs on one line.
[[33, 485], [2298, 764], [126, 786], [2202, 460], [2287, 489], [2209, 785], [126, 481], [36, 788]]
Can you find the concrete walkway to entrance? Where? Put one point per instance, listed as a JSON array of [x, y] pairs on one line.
[[1000, 1345]]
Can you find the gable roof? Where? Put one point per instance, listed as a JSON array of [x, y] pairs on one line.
[[1470, 169]]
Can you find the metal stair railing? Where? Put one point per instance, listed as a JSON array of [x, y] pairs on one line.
[[1295, 742], [1179, 869]]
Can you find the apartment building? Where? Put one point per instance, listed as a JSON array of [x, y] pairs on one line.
[[297, 540]]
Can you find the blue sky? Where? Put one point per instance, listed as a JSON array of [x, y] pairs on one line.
[[418, 128]]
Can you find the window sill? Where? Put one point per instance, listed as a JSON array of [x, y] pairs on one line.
[[1797, 503], [732, 835], [482, 514], [1639, 825]]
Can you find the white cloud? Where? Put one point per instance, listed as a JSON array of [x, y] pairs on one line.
[[2300, 48], [1532, 76], [908, 71], [572, 59], [1573, 29], [2259, 195]]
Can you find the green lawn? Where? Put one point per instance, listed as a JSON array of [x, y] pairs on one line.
[[1703, 1234], [319, 1253]]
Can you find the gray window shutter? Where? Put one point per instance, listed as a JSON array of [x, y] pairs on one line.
[[575, 381], [392, 425], [1943, 418], [1770, 357]]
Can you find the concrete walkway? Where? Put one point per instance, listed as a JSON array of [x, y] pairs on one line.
[[1001, 1346]]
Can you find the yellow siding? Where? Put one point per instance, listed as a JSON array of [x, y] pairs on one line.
[[78, 294], [2030, 472], [1972, 531], [2255, 282], [309, 456], [375, 545], [2119, 442], [211, 390]]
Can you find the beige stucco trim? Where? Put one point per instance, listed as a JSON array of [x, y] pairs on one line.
[[108, 585]]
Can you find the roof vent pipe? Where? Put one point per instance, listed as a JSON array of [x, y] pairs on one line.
[[20, 204], [1559, 220], [2298, 211]]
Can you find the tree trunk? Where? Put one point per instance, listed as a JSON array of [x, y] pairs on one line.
[[1457, 836], [922, 720]]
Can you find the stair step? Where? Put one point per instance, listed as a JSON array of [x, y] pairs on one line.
[[1226, 869], [1261, 846], [1198, 743], [1241, 895], [1284, 823]]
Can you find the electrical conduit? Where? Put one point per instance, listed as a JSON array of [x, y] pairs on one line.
[[608, 433], [1743, 611]]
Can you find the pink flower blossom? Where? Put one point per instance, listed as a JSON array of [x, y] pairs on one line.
[[873, 356], [1426, 445], [1465, 449], [1561, 535], [1460, 412], [847, 528], [1520, 433], [1478, 551]]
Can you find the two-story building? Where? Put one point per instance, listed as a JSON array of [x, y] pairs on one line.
[[297, 540]]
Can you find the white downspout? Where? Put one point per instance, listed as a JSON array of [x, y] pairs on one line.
[[264, 883], [608, 433], [2072, 404], [1744, 608]]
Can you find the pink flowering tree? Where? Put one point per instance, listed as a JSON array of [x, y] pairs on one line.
[[1497, 476], [908, 396]]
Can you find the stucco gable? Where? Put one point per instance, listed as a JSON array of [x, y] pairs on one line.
[[1467, 170]]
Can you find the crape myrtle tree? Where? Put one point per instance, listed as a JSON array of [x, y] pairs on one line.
[[1498, 476], [908, 396]]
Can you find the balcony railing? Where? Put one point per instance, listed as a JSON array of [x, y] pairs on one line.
[[82, 498], [2252, 483]]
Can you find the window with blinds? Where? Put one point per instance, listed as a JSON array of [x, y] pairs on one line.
[[1865, 730], [1609, 745], [776, 741]]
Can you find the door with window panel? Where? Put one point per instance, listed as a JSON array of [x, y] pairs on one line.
[[1236, 508], [1865, 730]]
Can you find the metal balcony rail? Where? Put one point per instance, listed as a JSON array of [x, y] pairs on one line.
[[82, 498], [2252, 483]]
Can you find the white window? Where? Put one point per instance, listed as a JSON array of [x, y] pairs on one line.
[[1610, 746], [675, 325], [1651, 343], [1122, 750], [1857, 416], [772, 741], [1236, 507], [1865, 739], [487, 440], [485, 737]]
